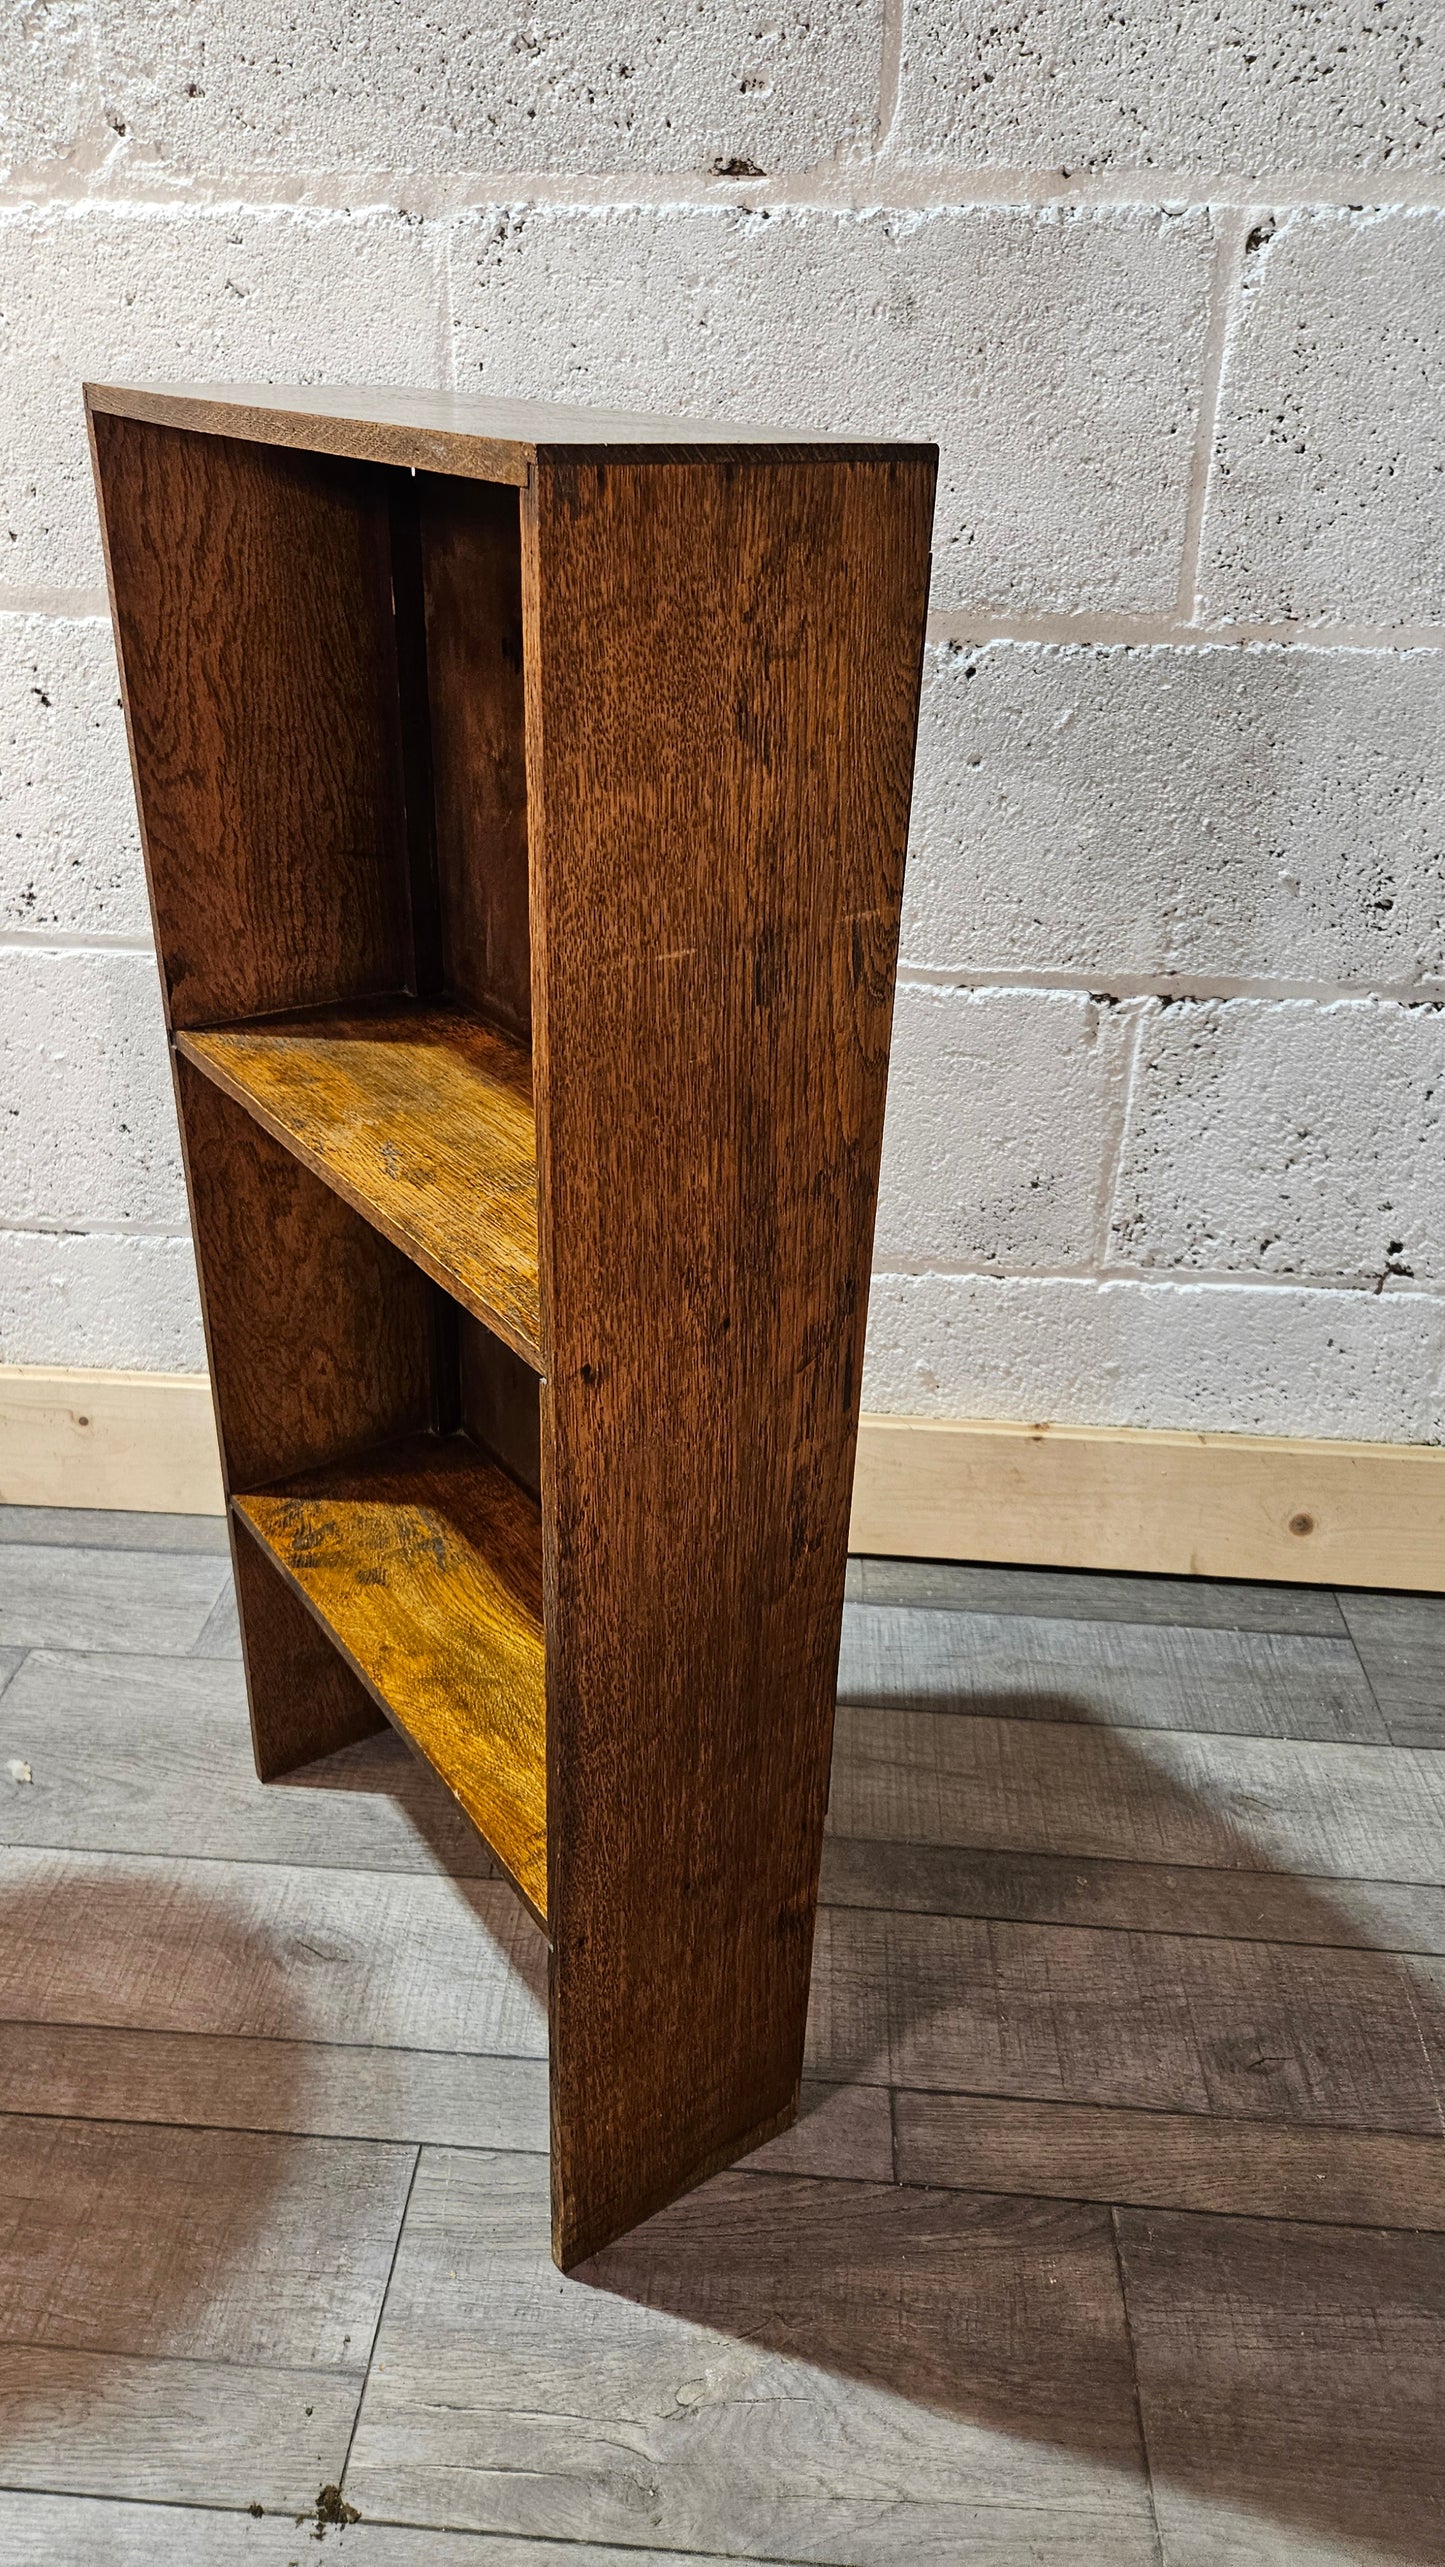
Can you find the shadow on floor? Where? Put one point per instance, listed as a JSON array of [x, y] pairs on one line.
[[1285, 2369], [124, 2238]]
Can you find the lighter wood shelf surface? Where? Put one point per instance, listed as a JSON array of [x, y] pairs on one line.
[[421, 1118], [424, 1564]]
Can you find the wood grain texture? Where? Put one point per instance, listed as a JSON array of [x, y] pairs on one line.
[[472, 566], [305, 1701], [1116, 1675], [323, 2090], [84, 2531], [92, 2072], [1147, 1898], [1142, 1796], [499, 1402], [423, 1562], [87, 1528], [867, 2374], [252, 598], [318, 1330], [1346, 2040], [271, 2248], [722, 680], [421, 1119], [1096, 1595], [1259, 2398], [143, 1441], [52, 1597], [153, 1754], [1179, 2161], [1323, 1512], [167, 2432], [449, 432], [274, 1951], [633, 763], [1401, 1641]]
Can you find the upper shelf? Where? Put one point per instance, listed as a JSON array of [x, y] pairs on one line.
[[447, 432], [420, 1116]]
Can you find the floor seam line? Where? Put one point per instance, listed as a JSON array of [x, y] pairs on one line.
[[1127, 2316], [381, 2310]]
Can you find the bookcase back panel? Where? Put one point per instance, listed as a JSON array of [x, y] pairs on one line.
[[253, 603], [472, 562], [499, 1401]]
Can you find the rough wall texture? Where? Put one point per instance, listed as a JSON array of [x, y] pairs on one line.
[[1167, 1128]]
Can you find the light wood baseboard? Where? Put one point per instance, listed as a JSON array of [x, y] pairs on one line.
[[1077, 1497], [1094, 1497], [144, 1441]]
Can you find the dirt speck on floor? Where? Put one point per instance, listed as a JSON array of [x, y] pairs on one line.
[[331, 2507]]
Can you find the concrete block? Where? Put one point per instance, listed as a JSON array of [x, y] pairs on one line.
[[1001, 1109], [211, 292], [89, 1123], [69, 846], [1268, 813], [1223, 85], [1329, 466], [100, 1298], [50, 111], [1286, 1139], [1054, 354], [362, 85], [1214, 1358]]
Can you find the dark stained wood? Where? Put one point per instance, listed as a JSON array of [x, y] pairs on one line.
[[424, 1564], [305, 1701], [472, 547], [450, 432], [722, 686], [317, 1331], [673, 846], [252, 598], [318, 1328], [500, 1402], [421, 1118]]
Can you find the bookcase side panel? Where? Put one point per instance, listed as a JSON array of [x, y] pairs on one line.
[[723, 666], [251, 589]]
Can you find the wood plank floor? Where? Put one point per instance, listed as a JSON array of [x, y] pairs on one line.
[[1112, 2233]]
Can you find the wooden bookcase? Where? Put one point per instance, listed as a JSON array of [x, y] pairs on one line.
[[524, 795]]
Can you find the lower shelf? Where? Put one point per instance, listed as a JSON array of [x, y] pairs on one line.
[[424, 1564]]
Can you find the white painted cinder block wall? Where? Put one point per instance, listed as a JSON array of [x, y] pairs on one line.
[[1167, 1125]]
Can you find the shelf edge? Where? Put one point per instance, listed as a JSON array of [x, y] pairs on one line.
[[501, 1324]]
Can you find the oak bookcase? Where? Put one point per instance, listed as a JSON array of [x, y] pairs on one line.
[[524, 794]]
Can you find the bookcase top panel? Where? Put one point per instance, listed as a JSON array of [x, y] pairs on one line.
[[446, 432]]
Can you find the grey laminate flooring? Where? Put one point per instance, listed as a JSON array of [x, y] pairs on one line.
[[1112, 2233]]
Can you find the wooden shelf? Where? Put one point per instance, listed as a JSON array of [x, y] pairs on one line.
[[421, 1118], [595, 734], [424, 1564]]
